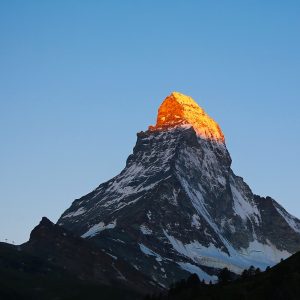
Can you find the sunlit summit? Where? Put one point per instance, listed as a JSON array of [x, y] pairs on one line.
[[179, 110]]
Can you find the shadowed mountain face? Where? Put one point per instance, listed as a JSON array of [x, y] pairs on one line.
[[81, 258], [55, 264], [178, 208]]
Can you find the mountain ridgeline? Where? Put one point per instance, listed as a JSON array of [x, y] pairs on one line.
[[178, 208]]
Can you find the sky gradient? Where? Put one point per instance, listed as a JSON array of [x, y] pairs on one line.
[[78, 79]]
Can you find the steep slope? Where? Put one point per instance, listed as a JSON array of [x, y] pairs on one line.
[[177, 207]]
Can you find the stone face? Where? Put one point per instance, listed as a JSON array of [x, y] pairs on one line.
[[178, 109], [177, 207]]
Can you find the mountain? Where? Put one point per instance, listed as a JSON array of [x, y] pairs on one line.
[[178, 208]]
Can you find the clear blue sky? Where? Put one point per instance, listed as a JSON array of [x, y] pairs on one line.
[[78, 79]]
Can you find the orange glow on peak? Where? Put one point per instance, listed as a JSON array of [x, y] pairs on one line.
[[178, 109]]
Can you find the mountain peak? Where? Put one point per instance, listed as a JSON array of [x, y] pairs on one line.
[[178, 109], [177, 207]]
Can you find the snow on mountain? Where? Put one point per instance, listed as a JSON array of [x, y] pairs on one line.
[[293, 222], [95, 229], [177, 207]]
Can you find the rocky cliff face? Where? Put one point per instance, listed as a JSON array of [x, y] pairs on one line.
[[177, 207]]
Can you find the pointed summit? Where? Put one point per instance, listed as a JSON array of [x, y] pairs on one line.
[[178, 109], [178, 207]]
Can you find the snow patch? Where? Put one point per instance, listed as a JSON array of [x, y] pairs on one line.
[[149, 252], [289, 219], [113, 256], [95, 229], [265, 252], [195, 221], [145, 230], [78, 212], [149, 215], [174, 200], [257, 254], [196, 270], [243, 208]]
